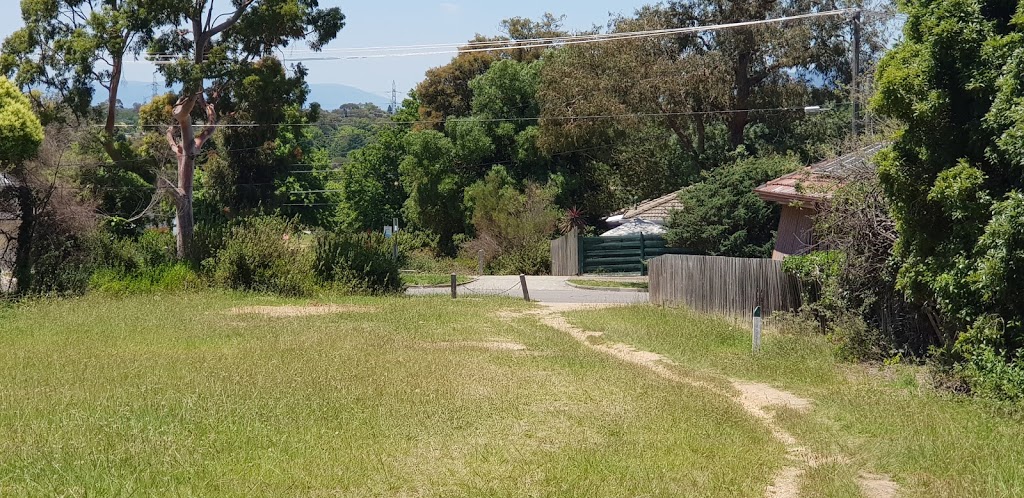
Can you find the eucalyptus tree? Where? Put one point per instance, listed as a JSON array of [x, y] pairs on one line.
[[202, 47]]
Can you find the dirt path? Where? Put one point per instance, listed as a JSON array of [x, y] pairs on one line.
[[754, 398]]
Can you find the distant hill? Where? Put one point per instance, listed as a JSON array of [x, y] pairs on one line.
[[330, 96]]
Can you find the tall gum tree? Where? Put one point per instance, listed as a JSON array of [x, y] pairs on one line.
[[68, 46], [204, 50]]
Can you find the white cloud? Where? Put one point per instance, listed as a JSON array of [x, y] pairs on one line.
[[450, 8]]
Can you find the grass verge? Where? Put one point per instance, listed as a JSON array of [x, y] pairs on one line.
[[885, 419], [610, 284], [183, 395], [432, 280]]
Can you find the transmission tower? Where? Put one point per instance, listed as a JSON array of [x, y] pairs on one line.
[[394, 98]]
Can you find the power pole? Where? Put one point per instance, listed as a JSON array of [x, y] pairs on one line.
[[855, 77]]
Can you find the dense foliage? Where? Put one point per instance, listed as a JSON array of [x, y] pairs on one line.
[[360, 262], [721, 215], [953, 177]]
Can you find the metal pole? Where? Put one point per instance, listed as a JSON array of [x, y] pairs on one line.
[[522, 283], [455, 286], [855, 76], [394, 235]]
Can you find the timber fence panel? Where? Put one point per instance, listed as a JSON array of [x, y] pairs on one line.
[[565, 255], [732, 287]]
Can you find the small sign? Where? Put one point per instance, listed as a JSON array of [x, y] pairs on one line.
[[389, 231]]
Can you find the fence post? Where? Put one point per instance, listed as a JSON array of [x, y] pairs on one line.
[[643, 255], [757, 329], [455, 285], [522, 283]]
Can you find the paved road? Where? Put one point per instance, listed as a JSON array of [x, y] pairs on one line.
[[542, 289]]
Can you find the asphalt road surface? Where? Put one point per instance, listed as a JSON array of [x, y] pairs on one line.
[[542, 289]]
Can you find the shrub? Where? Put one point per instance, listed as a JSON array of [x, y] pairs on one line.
[[262, 254], [530, 260], [167, 278], [131, 253], [361, 262], [722, 216], [512, 225]]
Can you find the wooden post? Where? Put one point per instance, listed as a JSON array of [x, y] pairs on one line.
[[455, 285], [757, 329], [643, 255], [480, 262], [522, 283]]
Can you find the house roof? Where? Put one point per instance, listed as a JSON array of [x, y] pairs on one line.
[[818, 181], [654, 209], [636, 226]]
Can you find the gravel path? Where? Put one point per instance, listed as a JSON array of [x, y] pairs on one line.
[[542, 289]]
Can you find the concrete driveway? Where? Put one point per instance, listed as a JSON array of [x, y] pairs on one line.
[[542, 289]]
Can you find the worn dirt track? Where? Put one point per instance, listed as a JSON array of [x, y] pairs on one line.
[[756, 399]]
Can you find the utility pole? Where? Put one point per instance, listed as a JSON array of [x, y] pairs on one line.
[[855, 76]]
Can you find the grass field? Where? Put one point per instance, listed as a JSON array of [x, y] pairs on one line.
[[240, 395], [431, 280], [610, 284], [190, 395], [884, 420]]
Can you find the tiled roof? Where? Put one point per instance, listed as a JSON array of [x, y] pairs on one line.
[[818, 181], [655, 209], [635, 227]]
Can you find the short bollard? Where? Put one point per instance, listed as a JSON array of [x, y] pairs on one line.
[[757, 329], [455, 285], [522, 283]]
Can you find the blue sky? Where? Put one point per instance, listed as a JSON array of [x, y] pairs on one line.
[[410, 22]]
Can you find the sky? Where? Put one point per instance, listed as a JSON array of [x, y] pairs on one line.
[[410, 22]]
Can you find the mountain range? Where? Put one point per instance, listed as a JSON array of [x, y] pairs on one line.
[[330, 96]]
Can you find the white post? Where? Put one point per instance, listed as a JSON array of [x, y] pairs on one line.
[[757, 329]]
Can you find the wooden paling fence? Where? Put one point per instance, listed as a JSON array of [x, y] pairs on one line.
[[723, 286], [565, 255]]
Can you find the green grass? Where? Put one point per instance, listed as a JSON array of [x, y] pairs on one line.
[[426, 279], [932, 443], [169, 395], [610, 284]]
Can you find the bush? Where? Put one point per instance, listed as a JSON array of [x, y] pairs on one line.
[[512, 226], [722, 216], [167, 278], [128, 254], [530, 260], [361, 262], [262, 254]]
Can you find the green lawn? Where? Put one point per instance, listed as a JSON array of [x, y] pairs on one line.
[[175, 395], [428, 279], [932, 443], [610, 284]]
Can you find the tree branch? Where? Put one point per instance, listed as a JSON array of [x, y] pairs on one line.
[[211, 122], [230, 22]]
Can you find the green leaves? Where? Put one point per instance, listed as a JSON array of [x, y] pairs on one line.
[[954, 175], [21, 134], [721, 215]]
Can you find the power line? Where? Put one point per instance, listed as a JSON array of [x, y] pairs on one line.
[[499, 45], [506, 120]]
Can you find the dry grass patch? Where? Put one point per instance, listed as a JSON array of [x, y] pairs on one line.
[[297, 311]]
